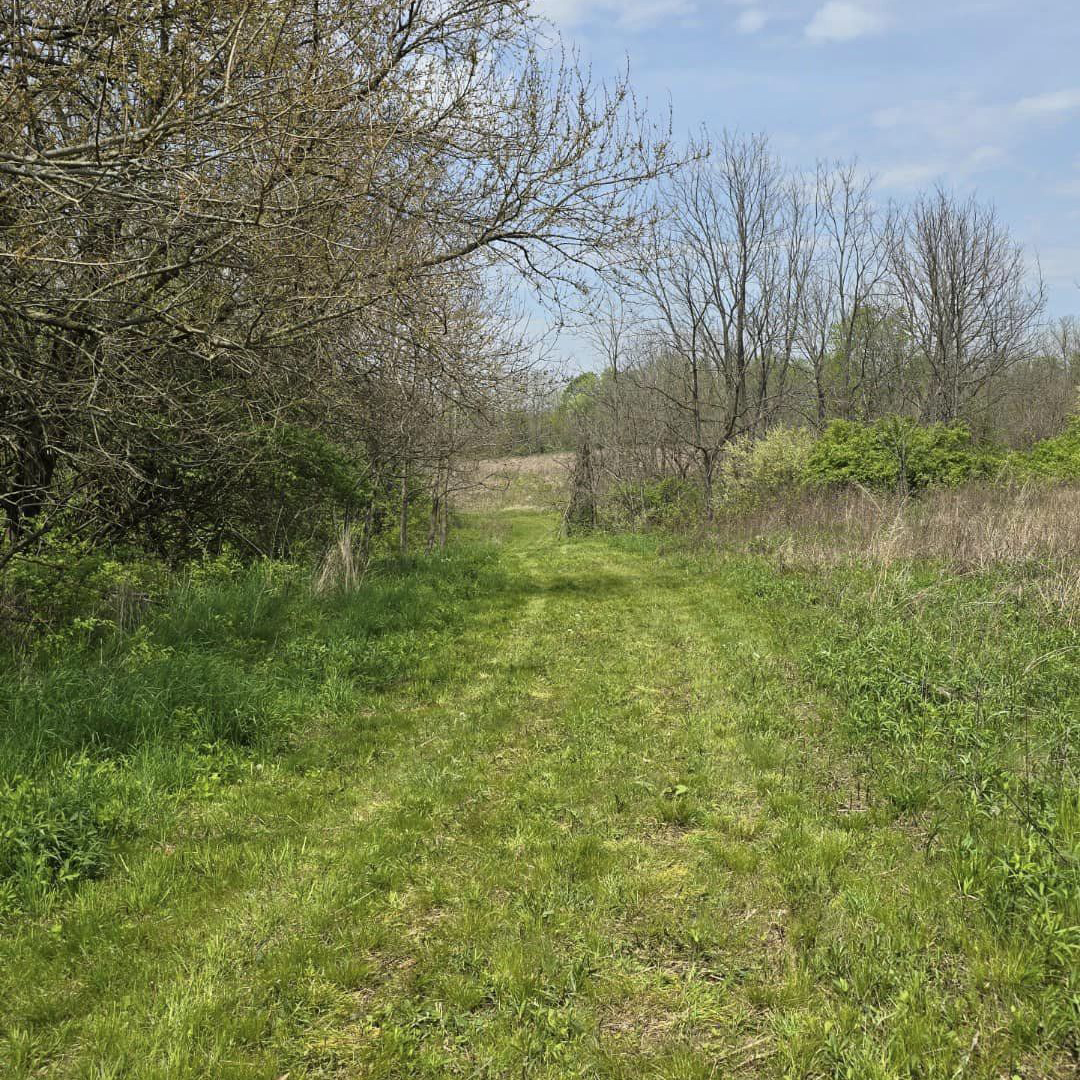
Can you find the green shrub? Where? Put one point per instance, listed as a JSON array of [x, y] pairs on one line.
[[670, 502], [895, 453], [847, 453], [273, 490], [1057, 458], [753, 470], [66, 588], [941, 455]]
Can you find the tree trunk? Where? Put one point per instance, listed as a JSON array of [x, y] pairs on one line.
[[433, 524], [33, 473]]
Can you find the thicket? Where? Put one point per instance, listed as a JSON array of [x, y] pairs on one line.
[[892, 456], [1057, 458], [245, 260], [896, 454]]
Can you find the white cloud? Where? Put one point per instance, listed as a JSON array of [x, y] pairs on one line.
[[844, 20], [629, 14], [984, 157], [1052, 104], [751, 21], [917, 176], [1068, 186], [1068, 189], [957, 122], [909, 177], [966, 127]]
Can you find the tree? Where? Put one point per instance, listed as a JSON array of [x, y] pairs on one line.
[[962, 289], [219, 216], [715, 280], [842, 303]]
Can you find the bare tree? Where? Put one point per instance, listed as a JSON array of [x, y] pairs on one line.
[[718, 281], [1039, 395], [965, 294], [843, 306]]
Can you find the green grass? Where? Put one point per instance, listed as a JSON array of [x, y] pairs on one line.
[[105, 733], [549, 808]]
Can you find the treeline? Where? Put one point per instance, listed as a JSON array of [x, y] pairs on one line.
[[260, 263], [758, 296], [257, 257]]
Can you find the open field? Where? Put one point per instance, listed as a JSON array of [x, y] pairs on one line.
[[528, 482], [739, 739], [556, 808]]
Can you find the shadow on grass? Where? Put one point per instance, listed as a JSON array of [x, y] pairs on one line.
[[100, 736]]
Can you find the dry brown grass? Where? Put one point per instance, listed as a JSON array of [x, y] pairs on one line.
[[970, 529], [534, 482], [341, 567]]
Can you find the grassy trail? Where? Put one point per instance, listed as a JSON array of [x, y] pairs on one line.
[[602, 835]]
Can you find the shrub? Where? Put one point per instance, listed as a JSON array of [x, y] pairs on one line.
[[848, 453], [670, 502], [1057, 458], [66, 587], [274, 491], [755, 469], [895, 453], [942, 455]]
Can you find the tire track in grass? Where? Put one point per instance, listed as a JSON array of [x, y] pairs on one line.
[[499, 886], [584, 876]]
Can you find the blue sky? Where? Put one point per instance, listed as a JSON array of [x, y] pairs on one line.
[[982, 95]]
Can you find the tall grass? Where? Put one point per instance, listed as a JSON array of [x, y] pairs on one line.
[[107, 726], [1031, 530], [942, 632], [342, 566]]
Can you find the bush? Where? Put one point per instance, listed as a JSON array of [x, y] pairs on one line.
[[272, 490], [670, 502], [1054, 459], [66, 587], [897, 454], [753, 470]]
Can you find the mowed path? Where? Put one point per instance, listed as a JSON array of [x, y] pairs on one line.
[[600, 849]]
